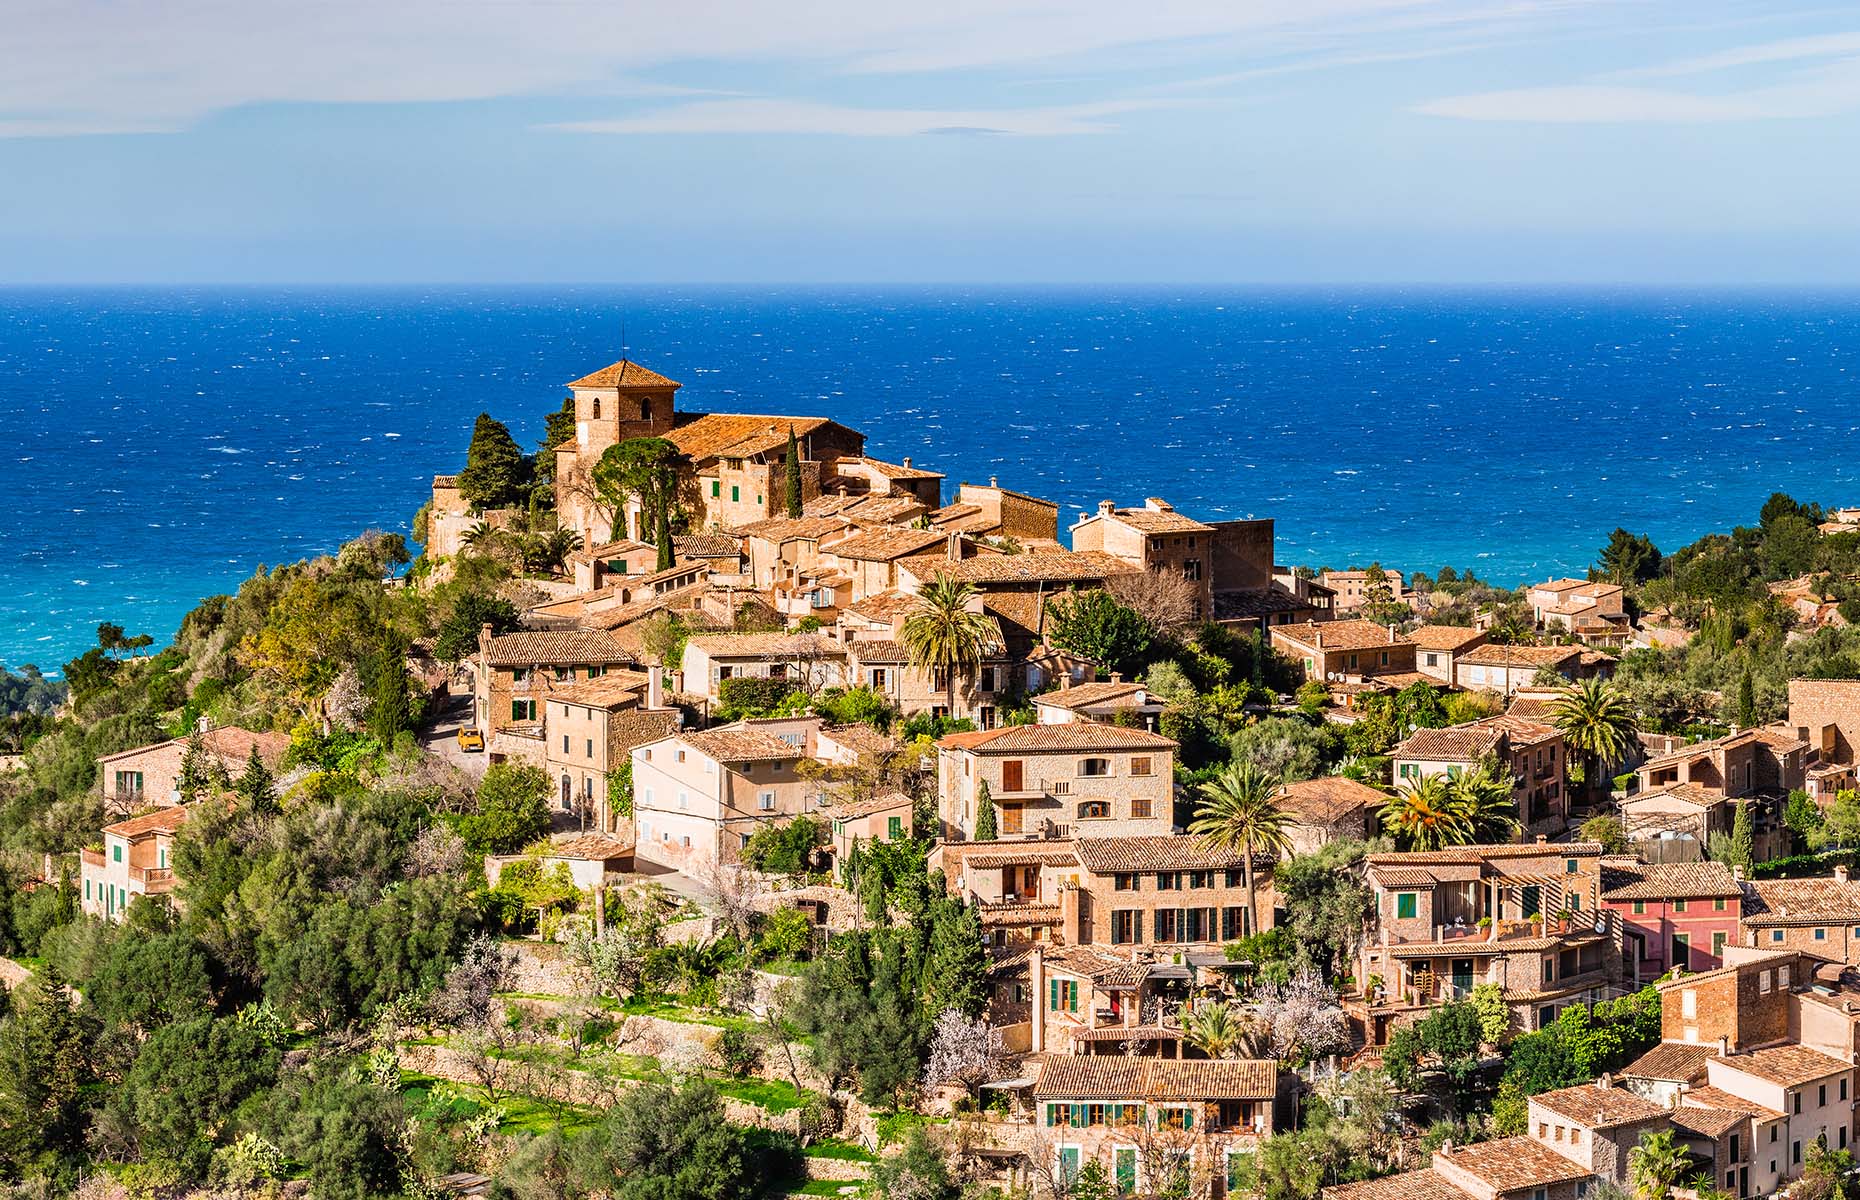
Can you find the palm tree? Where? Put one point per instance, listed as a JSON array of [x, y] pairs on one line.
[[1656, 1165], [1595, 721], [1422, 815], [555, 546], [481, 533], [1240, 815], [943, 634], [1217, 1030], [1485, 802]]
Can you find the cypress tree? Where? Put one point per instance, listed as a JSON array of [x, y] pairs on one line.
[[1746, 700], [662, 534], [1743, 837], [495, 469], [957, 968], [255, 787], [985, 817], [794, 475], [194, 771], [390, 711]]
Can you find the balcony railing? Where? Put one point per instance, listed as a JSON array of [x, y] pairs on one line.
[[91, 858]]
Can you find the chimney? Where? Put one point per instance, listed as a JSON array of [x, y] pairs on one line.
[[655, 686], [1840, 873], [952, 549], [907, 462], [1118, 677], [1106, 508], [1604, 1081], [1737, 872], [992, 482], [1724, 1046], [1036, 987], [1543, 839], [1391, 635]]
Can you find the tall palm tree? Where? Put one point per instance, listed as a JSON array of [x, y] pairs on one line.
[[1240, 815], [1422, 815], [1656, 1165], [1217, 1030], [1594, 718], [943, 634], [1486, 804]]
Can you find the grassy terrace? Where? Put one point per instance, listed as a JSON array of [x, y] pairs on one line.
[[772, 1095], [434, 1099]]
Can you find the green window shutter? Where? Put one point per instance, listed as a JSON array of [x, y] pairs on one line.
[[736, 493], [1052, 995], [894, 827], [116, 853], [715, 487], [1405, 905]]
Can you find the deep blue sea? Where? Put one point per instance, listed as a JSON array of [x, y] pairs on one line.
[[161, 444]]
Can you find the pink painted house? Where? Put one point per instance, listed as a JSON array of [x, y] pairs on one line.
[[1672, 914]]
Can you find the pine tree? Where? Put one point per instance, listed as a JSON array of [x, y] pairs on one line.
[[496, 472], [390, 711], [44, 1063], [195, 773], [255, 788], [794, 475], [985, 817], [956, 970]]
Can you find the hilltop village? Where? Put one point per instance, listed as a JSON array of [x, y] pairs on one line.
[[711, 808]]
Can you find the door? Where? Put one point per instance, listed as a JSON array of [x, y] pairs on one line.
[[1462, 976], [1010, 818], [1531, 900], [1124, 1169], [1013, 776]]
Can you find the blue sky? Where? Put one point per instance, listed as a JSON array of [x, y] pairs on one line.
[[1542, 141]]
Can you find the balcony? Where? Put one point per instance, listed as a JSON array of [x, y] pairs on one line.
[[91, 858], [154, 880]]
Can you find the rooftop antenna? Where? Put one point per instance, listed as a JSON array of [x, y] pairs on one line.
[[623, 346]]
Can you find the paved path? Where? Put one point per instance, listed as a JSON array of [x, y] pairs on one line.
[[441, 738]]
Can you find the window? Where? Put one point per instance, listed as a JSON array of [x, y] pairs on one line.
[[129, 783], [523, 710], [1821, 1096], [1763, 983], [1795, 1152], [1717, 945], [1140, 766], [1126, 926], [1640, 907], [565, 743], [894, 828], [1821, 935], [1191, 568], [116, 852], [1689, 1003], [1776, 935], [1718, 904], [715, 488], [1093, 810], [1200, 879], [1406, 905], [597, 408], [1782, 977], [1168, 924], [766, 801], [1796, 1100], [1679, 906], [590, 742], [1843, 1088], [1124, 881], [1682, 951], [736, 493], [1141, 808], [1094, 767], [1233, 923], [1569, 866], [1062, 995], [684, 799], [1167, 881]]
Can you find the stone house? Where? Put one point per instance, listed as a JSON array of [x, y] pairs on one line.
[[592, 727], [1815, 916], [1042, 575], [1437, 649], [589, 857], [1529, 752], [514, 674], [1149, 1122], [885, 667], [150, 776], [1344, 651], [1351, 588], [882, 818], [1825, 713], [1594, 1125], [1590, 609], [1687, 794], [698, 796], [1112, 701], [1505, 669], [1052, 780], [134, 861], [1333, 808], [1512, 1168], [779, 549], [869, 558], [858, 477], [448, 518], [1672, 914], [1153, 538], [594, 567], [992, 511], [1447, 920], [807, 660]]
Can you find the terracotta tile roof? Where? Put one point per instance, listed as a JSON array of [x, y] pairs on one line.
[[556, 647], [1676, 1062], [876, 650], [1559, 585], [1777, 902], [1690, 793], [883, 606], [1533, 706], [765, 645], [887, 470], [1149, 520], [624, 374], [445, 481], [865, 509], [1077, 737], [1087, 566], [1521, 730], [1598, 1107], [1256, 602], [1019, 914], [862, 739], [1020, 614], [706, 545], [1427, 1184], [1455, 743], [793, 529], [1033, 854], [739, 435], [1719, 1098], [162, 820], [1114, 1077], [1091, 695], [1161, 852], [623, 546], [1474, 855], [1712, 1122], [870, 806], [1490, 655], [230, 743], [1340, 635], [1635, 880], [1403, 877], [1328, 800], [1509, 1164], [1789, 1066], [617, 690], [1445, 637], [884, 545], [741, 745]]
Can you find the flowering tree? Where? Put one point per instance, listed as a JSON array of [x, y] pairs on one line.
[[1304, 1016], [964, 1051]]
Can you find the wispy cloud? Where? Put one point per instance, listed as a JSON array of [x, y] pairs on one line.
[[1824, 81], [771, 116]]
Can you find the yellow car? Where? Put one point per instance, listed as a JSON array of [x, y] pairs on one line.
[[470, 740]]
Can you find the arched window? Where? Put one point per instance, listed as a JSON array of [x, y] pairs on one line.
[[568, 790], [597, 408], [1094, 809], [645, 410]]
